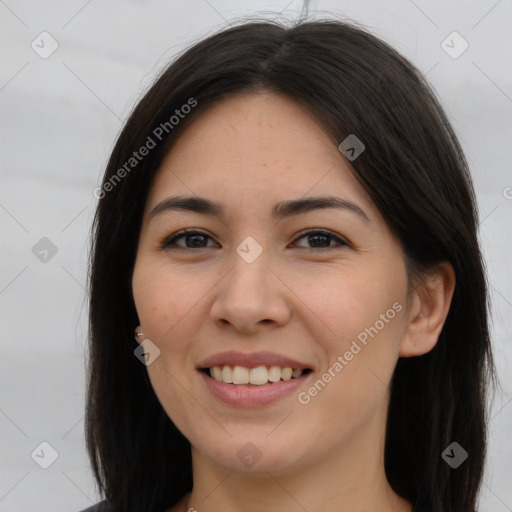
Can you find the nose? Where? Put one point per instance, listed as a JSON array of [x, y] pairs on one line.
[[251, 297]]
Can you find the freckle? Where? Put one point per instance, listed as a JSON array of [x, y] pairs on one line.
[[264, 165]]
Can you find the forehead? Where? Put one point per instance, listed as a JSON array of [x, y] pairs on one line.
[[255, 148]]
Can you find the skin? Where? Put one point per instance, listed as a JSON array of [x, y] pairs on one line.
[[249, 152]]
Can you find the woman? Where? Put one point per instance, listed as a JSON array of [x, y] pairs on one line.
[[288, 307]]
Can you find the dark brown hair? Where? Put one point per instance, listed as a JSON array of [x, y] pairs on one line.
[[415, 172]]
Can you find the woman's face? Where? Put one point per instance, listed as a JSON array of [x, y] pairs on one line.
[[257, 279]]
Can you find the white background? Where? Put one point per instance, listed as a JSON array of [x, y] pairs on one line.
[[59, 120]]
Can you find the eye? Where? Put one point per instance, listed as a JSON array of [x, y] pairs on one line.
[[322, 237], [319, 239], [198, 238]]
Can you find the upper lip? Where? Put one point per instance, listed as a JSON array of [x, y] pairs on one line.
[[251, 360]]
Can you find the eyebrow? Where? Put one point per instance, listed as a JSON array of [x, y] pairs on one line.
[[281, 210]]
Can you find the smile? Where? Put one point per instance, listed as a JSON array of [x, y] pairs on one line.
[[255, 379], [259, 376]]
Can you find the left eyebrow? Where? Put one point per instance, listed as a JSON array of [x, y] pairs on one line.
[[298, 206], [281, 210]]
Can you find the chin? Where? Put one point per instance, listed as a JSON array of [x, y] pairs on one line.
[[255, 455]]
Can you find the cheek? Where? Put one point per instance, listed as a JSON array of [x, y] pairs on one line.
[[162, 300], [347, 302], [163, 297], [364, 313]]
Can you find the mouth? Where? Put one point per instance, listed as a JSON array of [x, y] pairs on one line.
[[253, 387], [243, 379], [257, 376]]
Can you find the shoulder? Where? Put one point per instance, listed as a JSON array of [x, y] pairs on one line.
[[101, 506]]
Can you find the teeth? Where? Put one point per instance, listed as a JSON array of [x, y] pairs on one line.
[[216, 372], [274, 374], [240, 375], [257, 376], [286, 373], [227, 374]]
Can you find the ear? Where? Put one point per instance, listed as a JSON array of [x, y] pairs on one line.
[[429, 306]]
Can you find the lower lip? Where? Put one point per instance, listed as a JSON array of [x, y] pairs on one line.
[[248, 395]]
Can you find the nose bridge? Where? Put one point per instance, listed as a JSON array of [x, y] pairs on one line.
[[249, 277], [250, 293]]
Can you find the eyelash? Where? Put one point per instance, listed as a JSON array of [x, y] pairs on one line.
[[168, 242]]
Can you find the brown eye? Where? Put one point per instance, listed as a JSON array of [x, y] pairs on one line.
[[193, 239], [321, 239]]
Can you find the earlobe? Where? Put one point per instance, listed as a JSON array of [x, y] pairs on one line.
[[430, 305], [139, 335]]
